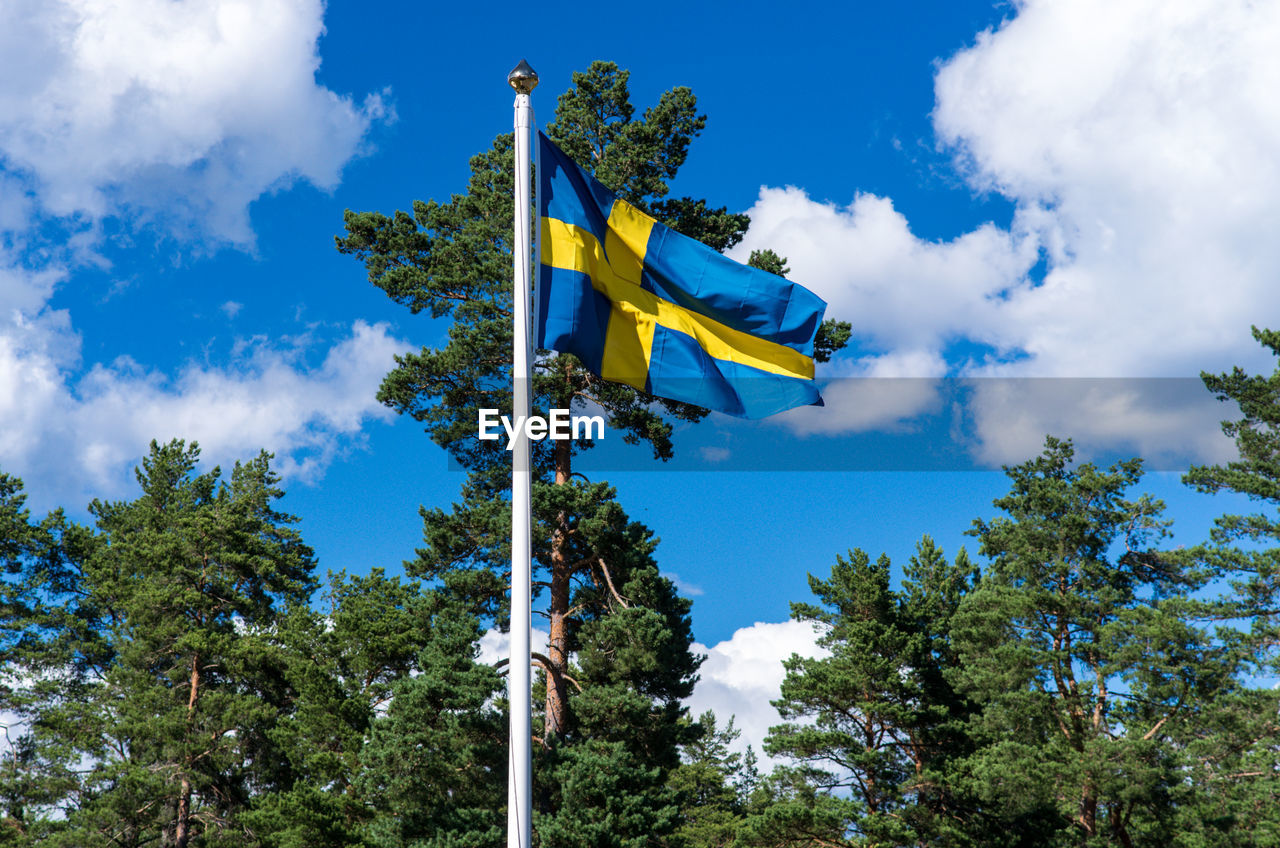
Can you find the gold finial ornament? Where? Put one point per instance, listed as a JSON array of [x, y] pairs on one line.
[[523, 78]]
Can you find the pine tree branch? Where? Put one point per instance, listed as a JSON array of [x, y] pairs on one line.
[[608, 579], [539, 660], [545, 662], [1150, 734]]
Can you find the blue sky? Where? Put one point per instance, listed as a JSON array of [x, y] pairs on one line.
[[1017, 195]]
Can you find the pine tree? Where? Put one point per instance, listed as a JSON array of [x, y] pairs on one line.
[[169, 677], [604, 596], [435, 760], [1255, 473], [343, 663], [714, 785], [1236, 755], [30, 645], [1081, 644], [876, 725], [605, 782]]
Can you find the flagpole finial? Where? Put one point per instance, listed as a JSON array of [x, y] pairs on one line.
[[523, 78]]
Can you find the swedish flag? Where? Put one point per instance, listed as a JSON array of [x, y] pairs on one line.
[[641, 304]]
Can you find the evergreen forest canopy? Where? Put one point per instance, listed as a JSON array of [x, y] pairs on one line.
[[176, 674]]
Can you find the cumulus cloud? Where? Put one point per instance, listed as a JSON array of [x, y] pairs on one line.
[[72, 432], [1168, 422], [742, 674], [84, 438], [739, 678], [171, 119], [185, 112], [1139, 145], [870, 394], [906, 294]]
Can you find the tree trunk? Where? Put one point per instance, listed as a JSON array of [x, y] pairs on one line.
[[1089, 810], [182, 827], [1118, 827], [557, 707], [182, 830]]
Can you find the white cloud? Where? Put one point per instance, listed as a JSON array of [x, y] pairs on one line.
[[1169, 423], [900, 291], [82, 438], [170, 118], [739, 678], [1140, 144], [744, 673], [180, 113], [684, 587], [496, 645], [883, 392], [714, 454]]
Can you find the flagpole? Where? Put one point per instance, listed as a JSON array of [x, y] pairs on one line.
[[520, 734]]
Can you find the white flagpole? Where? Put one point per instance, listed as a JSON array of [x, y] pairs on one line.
[[520, 738]]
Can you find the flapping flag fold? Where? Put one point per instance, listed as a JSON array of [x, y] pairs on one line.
[[642, 305]]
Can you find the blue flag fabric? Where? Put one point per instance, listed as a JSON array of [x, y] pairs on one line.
[[642, 305]]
